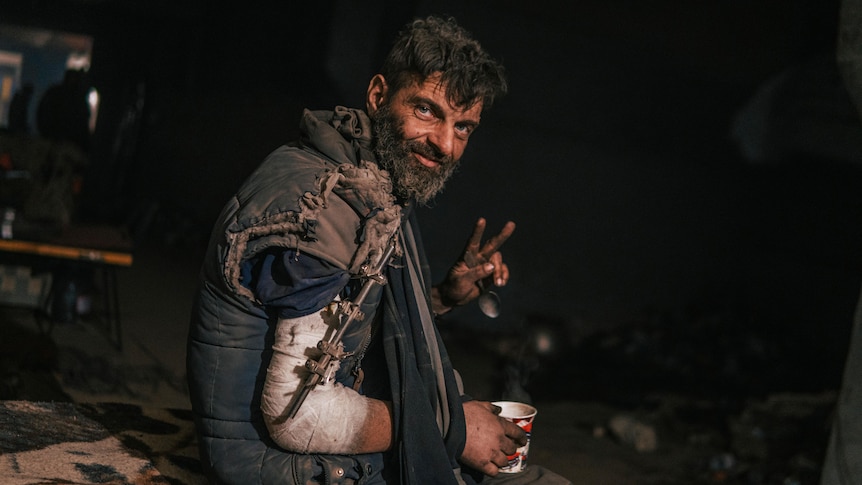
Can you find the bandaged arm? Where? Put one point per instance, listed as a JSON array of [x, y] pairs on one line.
[[333, 418]]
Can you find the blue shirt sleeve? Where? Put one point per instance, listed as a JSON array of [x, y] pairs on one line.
[[295, 284]]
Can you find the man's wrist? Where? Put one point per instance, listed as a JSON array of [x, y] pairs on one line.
[[437, 305]]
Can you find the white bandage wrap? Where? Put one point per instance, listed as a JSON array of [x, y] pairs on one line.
[[330, 419]]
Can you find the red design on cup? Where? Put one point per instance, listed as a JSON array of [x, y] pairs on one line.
[[522, 415]]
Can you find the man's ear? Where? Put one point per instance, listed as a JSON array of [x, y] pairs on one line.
[[377, 90]]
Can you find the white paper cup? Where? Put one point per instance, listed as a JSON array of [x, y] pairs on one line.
[[521, 414]]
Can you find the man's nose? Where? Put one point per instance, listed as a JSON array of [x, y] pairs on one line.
[[443, 139]]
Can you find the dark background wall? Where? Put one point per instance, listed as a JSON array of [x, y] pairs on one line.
[[666, 161]]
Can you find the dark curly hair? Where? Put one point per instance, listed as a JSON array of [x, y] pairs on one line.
[[433, 44]]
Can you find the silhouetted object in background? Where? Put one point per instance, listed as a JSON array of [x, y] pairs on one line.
[[18, 109], [64, 111], [63, 117]]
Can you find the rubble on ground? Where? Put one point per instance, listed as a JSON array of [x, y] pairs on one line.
[[744, 402]]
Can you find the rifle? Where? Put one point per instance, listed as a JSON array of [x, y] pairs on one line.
[[322, 370]]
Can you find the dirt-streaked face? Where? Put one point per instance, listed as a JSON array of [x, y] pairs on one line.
[[420, 136]]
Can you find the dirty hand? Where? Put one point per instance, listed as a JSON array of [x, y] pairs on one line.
[[490, 438], [478, 262]]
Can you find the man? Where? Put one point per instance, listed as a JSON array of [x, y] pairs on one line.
[[300, 243]]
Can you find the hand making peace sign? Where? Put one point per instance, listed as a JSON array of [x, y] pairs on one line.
[[481, 263]]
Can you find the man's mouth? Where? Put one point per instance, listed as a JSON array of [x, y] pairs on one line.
[[428, 162]]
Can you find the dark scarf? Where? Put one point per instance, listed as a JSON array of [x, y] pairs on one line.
[[423, 454]]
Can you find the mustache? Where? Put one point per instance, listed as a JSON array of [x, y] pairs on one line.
[[430, 152]]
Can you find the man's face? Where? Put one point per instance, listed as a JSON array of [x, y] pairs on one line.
[[420, 137]]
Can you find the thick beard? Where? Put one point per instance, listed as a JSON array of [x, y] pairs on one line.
[[410, 179]]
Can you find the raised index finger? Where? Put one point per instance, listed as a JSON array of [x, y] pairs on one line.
[[476, 238]]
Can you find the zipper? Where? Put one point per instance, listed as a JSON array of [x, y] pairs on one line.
[[358, 373]]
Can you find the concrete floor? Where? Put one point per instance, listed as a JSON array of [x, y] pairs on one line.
[[571, 436]]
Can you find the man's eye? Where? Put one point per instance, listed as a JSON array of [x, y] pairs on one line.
[[464, 129], [423, 110]]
